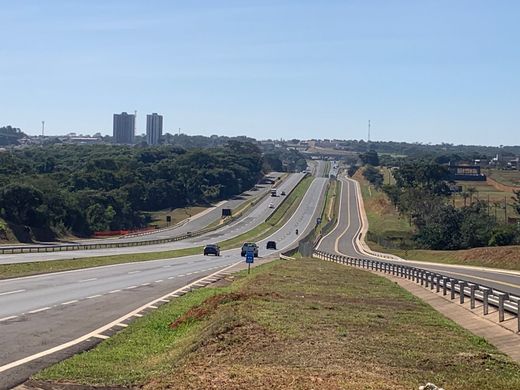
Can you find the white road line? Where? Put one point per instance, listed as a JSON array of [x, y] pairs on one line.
[[101, 336], [131, 287], [152, 307], [87, 280], [181, 275], [12, 292], [39, 310], [8, 318], [114, 291], [138, 315], [133, 272], [158, 281], [94, 296], [171, 277], [70, 302], [122, 325], [145, 284]]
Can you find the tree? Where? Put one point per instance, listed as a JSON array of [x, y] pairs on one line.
[[19, 203], [370, 158]]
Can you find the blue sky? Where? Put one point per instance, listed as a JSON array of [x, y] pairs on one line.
[[422, 71]]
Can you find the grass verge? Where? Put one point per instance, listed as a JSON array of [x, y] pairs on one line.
[[279, 217], [302, 324]]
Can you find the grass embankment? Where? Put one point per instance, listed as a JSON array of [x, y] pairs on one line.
[[278, 218], [302, 324], [509, 178], [384, 222], [158, 218]]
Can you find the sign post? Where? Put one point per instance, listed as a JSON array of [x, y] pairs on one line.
[[250, 259]]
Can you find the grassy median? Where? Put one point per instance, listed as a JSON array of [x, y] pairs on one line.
[[302, 324], [277, 219]]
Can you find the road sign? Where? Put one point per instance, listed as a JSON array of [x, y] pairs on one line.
[[250, 257]]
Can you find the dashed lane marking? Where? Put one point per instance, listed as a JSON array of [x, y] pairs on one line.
[[114, 291], [133, 272], [12, 292], [101, 336], [70, 302], [131, 287], [87, 280], [39, 310], [8, 318], [94, 296]]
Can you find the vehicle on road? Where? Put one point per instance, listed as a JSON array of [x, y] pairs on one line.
[[270, 245], [271, 205], [296, 231], [249, 246], [212, 249], [283, 193], [274, 192]]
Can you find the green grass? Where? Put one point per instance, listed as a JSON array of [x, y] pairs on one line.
[[303, 324], [506, 177], [279, 217], [158, 218]]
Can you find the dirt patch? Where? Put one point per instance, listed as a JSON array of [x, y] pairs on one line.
[[501, 253], [210, 305]]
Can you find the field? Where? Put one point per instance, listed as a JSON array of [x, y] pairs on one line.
[[508, 178], [303, 324]]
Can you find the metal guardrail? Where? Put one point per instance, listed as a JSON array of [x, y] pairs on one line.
[[437, 281]]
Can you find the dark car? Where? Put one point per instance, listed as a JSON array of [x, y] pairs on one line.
[[249, 246], [271, 245], [283, 193], [212, 249]]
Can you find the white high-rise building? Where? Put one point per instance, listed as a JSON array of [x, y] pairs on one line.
[[154, 125], [124, 128]]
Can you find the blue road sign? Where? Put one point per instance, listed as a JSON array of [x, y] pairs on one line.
[[250, 257]]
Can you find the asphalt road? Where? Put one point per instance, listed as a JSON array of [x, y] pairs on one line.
[[255, 216], [40, 312], [342, 241]]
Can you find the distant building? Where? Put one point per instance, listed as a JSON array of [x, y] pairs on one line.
[[124, 128], [154, 125]]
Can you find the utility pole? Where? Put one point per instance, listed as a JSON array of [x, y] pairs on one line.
[[368, 141], [43, 128]]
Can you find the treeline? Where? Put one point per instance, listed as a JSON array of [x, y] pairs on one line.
[[10, 135], [86, 188], [422, 194]]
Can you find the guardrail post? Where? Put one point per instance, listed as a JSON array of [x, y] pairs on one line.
[[485, 299], [444, 284], [421, 272], [437, 283], [452, 288], [517, 301], [462, 284], [471, 295], [501, 298], [431, 280]]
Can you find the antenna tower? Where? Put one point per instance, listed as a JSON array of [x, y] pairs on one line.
[[43, 128]]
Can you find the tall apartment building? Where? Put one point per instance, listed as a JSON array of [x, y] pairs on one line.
[[154, 126], [124, 128]]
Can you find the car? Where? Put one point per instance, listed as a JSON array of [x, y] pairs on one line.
[[249, 246], [212, 249], [283, 193], [270, 245], [271, 205]]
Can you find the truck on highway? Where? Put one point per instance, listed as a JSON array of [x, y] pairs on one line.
[[274, 192]]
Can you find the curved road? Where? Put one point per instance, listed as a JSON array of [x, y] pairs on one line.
[[44, 311], [341, 240]]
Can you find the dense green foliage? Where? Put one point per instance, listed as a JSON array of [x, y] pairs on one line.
[[10, 135], [284, 160], [85, 188], [421, 192], [373, 176]]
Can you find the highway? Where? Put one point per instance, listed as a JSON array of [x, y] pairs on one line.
[[41, 312], [192, 224], [252, 218], [341, 240]]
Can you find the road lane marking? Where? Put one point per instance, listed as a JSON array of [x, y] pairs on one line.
[[152, 307], [122, 325], [12, 292], [171, 277], [88, 280], [131, 287], [101, 336], [70, 302], [8, 318], [39, 310], [133, 272], [145, 284], [94, 296], [114, 291], [158, 281]]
